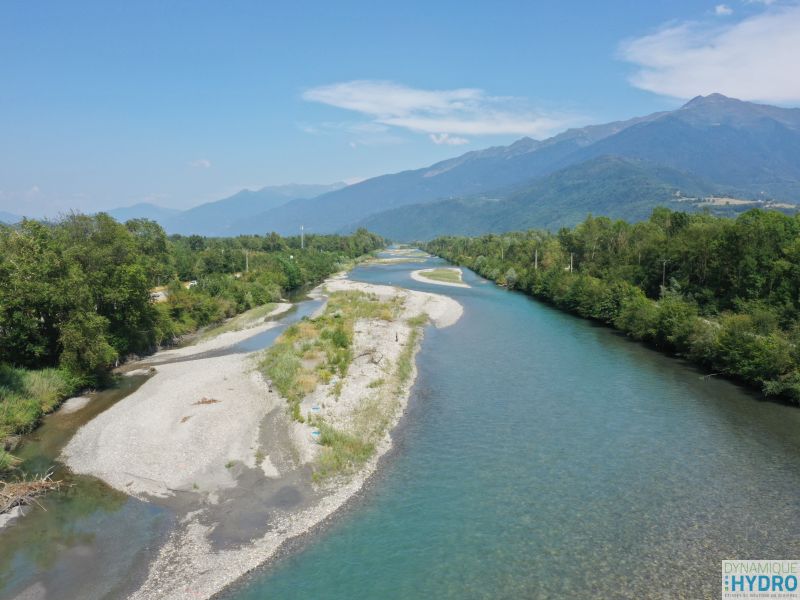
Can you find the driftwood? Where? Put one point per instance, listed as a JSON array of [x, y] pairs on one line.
[[24, 492], [375, 357], [206, 401]]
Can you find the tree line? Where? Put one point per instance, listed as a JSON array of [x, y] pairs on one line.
[[77, 293], [724, 293]]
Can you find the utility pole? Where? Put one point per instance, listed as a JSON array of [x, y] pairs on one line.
[[536, 259], [302, 237], [570, 262], [246, 261], [664, 272]]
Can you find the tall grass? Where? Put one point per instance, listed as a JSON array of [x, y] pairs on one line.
[[25, 396], [343, 452]]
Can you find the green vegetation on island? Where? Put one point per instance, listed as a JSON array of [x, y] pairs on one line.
[[724, 293], [319, 351], [443, 275]]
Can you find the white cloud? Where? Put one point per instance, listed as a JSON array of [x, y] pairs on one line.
[[723, 10], [446, 138], [461, 111], [752, 59], [200, 163]]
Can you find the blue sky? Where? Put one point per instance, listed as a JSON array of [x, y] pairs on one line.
[[106, 104]]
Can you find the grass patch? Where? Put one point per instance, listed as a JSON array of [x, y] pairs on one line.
[[443, 275], [405, 364], [25, 396], [342, 453]]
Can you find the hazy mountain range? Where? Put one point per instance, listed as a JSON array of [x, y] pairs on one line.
[[244, 212], [711, 146], [9, 218]]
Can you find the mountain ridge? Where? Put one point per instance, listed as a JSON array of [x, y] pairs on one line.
[[752, 150]]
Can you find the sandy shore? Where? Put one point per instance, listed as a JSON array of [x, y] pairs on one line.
[[418, 275], [210, 430], [178, 431]]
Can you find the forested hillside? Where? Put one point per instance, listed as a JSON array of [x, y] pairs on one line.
[[724, 293], [77, 296]]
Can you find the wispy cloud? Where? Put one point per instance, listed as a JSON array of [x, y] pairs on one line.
[[754, 58], [723, 10], [461, 111], [200, 163], [359, 133], [446, 138]]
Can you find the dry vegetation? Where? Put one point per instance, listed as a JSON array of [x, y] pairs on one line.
[[25, 491]]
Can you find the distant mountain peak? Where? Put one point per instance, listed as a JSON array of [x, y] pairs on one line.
[[715, 98], [526, 142]]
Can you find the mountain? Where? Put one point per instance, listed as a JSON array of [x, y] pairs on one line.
[[237, 214], [610, 186], [752, 147], [472, 173], [143, 210], [9, 218], [746, 149]]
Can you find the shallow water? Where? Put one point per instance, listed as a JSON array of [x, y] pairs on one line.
[[87, 528], [546, 457]]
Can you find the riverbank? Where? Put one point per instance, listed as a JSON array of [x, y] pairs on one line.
[[210, 437]]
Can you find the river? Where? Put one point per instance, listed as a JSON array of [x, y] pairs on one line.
[[541, 456], [544, 456]]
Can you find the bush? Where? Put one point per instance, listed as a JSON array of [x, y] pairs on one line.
[[638, 318], [85, 346]]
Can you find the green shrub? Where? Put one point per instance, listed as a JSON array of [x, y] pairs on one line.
[[342, 452]]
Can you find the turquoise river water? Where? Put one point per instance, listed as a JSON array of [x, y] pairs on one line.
[[543, 456]]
